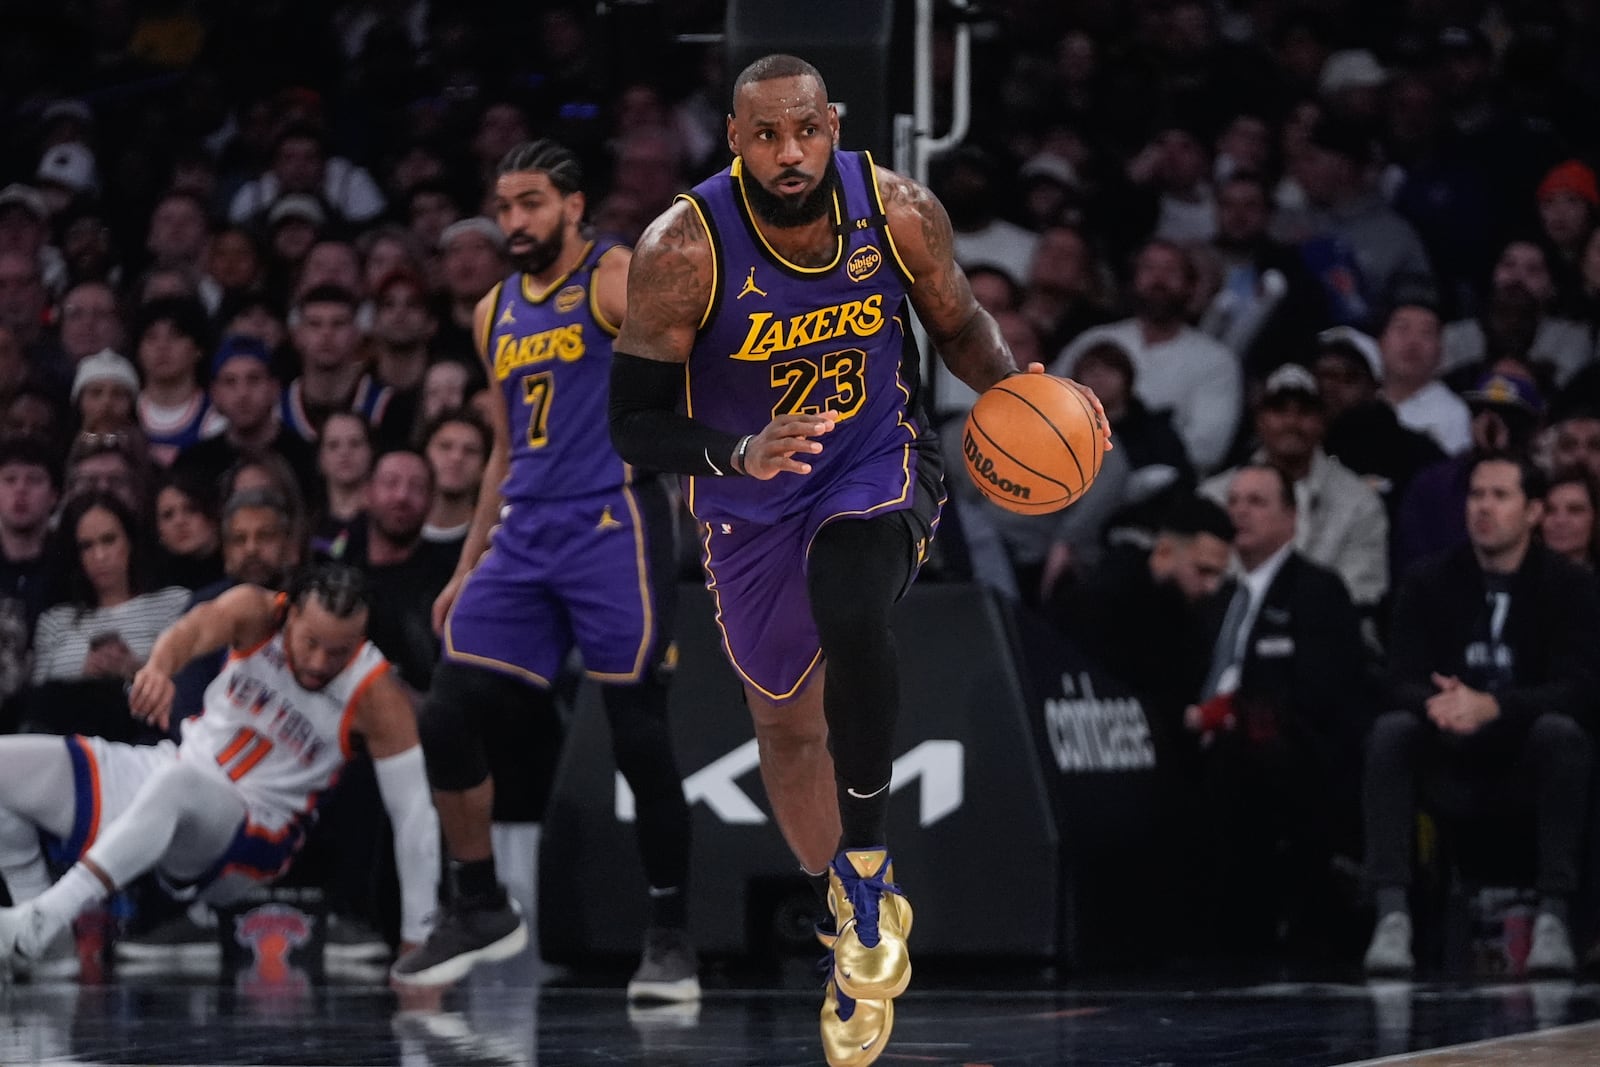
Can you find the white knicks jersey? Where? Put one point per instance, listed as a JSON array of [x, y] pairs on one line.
[[282, 745]]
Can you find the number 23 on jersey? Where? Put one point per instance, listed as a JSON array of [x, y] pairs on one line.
[[798, 378]]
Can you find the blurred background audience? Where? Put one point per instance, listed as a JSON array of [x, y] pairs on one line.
[[1320, 259]]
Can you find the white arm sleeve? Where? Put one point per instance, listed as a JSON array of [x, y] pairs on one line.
[[403, 784]]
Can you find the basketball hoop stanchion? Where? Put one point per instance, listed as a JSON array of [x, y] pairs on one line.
[[915, 145]]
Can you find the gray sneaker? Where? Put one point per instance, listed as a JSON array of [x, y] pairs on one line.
[[353, 940], [180, 938], [669, 970], [1390, 951], [1551, 951], [466, 933], [26, 934]]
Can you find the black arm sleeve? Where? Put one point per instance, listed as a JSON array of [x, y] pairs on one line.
[[647, 429]]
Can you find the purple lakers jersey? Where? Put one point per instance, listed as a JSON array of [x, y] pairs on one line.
[[779, 338], [550, 356]]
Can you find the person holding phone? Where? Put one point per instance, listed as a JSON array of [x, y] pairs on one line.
[[112, 614]]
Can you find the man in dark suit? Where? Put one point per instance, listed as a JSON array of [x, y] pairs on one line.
[[1279, 723], [1137, 616], [1493, 689]]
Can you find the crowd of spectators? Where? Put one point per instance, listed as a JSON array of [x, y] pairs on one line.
[[1318, 258]]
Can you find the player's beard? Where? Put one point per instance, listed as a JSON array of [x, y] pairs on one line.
[[787, 212], [540, 257]]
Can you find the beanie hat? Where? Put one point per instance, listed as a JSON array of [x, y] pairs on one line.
[[1570, 177], [105, 366]]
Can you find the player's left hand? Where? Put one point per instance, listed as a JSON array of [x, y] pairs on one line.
[[1094, 402], [445, 601], [150, 696]]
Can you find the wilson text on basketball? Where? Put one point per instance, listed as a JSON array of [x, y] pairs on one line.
[[983, 467]]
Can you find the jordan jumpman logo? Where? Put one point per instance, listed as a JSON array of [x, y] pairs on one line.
[[750, 286]]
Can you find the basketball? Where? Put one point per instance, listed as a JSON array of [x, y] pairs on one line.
[[1033, 444]]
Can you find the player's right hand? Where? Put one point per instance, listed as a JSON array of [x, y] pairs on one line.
[[446, 600], [150, 696], [775, 448], [1088, 394]]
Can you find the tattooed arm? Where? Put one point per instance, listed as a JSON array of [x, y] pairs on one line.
[[966, 336], [669, 292], [669, 288]]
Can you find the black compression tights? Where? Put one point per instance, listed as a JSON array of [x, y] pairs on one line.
[[858, 568], [642, 744]]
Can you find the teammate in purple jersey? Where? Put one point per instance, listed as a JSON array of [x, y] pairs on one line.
[[765, 357], [580, 555]]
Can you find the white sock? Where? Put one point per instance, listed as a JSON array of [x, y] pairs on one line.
[[516, 861], [68, 898]]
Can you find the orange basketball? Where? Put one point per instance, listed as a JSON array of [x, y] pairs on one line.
[[1032, 444]]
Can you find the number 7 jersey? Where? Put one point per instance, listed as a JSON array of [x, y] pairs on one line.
[[549, 353], [780, 338]]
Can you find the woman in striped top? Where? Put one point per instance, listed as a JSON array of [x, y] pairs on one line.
[[112, 617]]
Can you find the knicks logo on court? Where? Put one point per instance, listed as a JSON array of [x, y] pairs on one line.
[[272, 932], [863, 263], [564, 343]]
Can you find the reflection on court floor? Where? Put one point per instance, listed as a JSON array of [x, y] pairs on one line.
[[518, 1016]]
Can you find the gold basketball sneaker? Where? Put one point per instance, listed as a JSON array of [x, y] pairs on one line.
[[873, 918], [854, 1032]]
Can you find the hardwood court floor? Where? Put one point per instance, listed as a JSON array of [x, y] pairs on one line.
[[507, 1016]]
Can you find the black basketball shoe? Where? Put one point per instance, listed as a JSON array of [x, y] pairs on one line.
[[467, 932]]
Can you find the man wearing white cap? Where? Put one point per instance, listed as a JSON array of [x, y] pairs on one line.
[[293, 224], [1350, 83], [1340, 520], [105, 390]]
